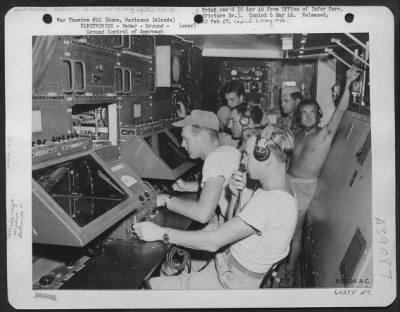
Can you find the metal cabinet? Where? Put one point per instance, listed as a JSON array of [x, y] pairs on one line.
[[338, 233]]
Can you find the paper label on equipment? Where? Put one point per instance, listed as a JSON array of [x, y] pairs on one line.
[[116, 168], [128, 180]]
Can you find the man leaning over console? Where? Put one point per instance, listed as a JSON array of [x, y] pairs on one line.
[[200, 140], [259, 235]]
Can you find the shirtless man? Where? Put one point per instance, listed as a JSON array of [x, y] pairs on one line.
[[312, 145], [290, 98]]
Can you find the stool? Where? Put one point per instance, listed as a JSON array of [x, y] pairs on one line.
[[274, 275]]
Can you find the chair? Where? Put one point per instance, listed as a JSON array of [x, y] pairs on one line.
[[274, 275]]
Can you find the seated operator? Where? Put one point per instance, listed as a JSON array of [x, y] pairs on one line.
[[312, 145], [232, 94], [290, 98], [257, 237], [200, 140], [245, 121]]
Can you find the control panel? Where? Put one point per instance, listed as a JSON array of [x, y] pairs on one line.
[[60, 146], [254, 76], [147, 127]]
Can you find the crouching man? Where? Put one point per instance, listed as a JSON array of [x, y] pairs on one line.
[[259, 235]]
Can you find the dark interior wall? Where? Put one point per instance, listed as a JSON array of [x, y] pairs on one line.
[[210, 83]]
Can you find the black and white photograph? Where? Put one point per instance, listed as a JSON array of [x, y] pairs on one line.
[[238, 153]]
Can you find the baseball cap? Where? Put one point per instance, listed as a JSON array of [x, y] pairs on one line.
[[290, 90], [204, 119]]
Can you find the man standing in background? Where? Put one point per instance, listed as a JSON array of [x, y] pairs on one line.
[[290, 98]]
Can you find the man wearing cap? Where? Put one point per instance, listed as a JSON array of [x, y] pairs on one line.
[[259, 235], [200, 140], [290, 98]]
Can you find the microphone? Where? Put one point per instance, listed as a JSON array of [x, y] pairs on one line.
[[242, 168]]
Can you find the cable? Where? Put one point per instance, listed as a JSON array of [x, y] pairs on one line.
[[176, 260], [242, 168]]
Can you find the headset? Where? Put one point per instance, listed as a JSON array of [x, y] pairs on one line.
[[251, 112], [279, 139], [244, 121], [261, 150], [320, 114]]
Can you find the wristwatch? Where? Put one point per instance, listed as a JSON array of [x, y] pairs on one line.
[[165, 238]]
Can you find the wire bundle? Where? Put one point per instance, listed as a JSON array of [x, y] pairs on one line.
[[176, 260]]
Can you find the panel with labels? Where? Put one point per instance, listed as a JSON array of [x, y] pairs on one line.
[[92, 73], [134, 75]]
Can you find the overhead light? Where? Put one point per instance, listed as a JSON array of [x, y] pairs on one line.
[[303, 41], [301, 51]]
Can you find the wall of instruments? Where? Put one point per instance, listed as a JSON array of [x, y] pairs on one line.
[[102, 113]]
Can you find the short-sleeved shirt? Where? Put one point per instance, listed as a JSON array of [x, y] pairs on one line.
[[221, 162], [273, 214]]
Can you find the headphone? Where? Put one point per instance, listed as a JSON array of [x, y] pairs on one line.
[[244, 121], [251, 112], [261, 150], [320, 114]]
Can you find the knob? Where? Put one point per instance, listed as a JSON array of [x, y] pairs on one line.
[[46, 280], [95, 249], [38, 142], [33, 143], [141, 198], [146, 194]]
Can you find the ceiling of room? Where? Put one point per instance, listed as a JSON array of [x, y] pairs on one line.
[[270, 45]]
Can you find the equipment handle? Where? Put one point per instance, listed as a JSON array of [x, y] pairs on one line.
[[153, 82], [83, 76], [122, 43], [117, 70], [71, 75], [129, 73]]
